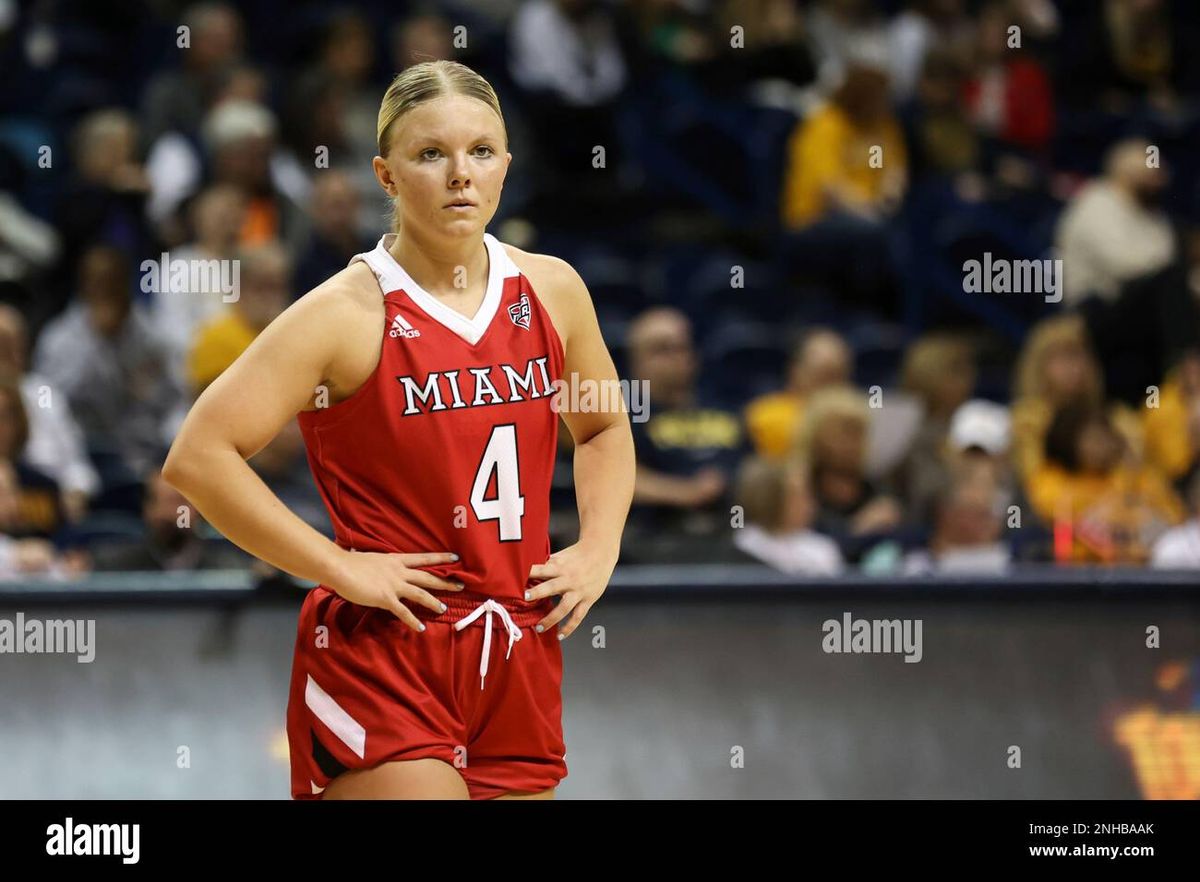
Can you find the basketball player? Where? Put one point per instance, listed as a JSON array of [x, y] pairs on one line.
[[427, 660]]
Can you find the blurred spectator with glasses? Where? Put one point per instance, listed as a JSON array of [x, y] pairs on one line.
[[688, 449]]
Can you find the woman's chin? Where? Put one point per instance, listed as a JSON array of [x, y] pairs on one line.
[[464, 226]]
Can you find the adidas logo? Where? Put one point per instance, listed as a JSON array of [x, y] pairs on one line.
[[401, 328]]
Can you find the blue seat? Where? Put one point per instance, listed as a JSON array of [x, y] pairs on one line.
[[743, 360]]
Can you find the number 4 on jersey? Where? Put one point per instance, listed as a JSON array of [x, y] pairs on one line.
[[508, 505]]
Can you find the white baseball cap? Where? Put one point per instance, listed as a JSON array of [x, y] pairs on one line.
[[980, 423]]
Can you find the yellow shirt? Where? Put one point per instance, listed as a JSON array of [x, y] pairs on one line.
[[1124, 501], [217, 346], [773, 422], [1168, 447], [827, 149], [1031, 420]]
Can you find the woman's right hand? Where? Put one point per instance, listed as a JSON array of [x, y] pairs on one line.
[[385, 580]]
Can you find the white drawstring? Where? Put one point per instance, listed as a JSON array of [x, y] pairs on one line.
[[514, 633]]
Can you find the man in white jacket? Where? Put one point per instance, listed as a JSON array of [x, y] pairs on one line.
[[56, 444]]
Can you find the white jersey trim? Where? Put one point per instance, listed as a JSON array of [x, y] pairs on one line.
[[393, 277]]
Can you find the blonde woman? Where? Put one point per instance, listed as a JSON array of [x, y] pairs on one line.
[[421, 376], [939, 371], [779, 511], [1057, 367], [833, 445]]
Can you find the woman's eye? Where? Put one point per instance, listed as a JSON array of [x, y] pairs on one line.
[[430, 153], [484, 150]]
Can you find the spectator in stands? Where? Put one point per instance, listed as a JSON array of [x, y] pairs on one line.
[[830, 174], [1135, 55], [924, 27], [1179, 547], [172, 540], [939, 372], [680, 34], [942, 139], [30, 248], [979, 436], [334, 237], [778, 508], [104, 355], [774, 57], [265, 290], [687, 450], [568, 50], [39, 504], [240, 140], [968, 527], [1115, 229], [1057, 367], [842, 32], [105, 199], [1113, 507], [424, 35], [845, 175], [23, 555], [217, 217], [56, 446], [1172, 425], [821, 358], [1009, 96], [1152, 322], [833, 444], [566, 56], [334, 104], [176, 100], [175, 164]]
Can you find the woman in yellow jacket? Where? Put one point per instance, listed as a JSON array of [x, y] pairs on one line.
[[1171, 421], [1104, 506]]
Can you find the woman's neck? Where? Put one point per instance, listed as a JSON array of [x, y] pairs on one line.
[[443, 268]]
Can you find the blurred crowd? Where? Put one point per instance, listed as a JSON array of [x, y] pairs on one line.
[[772, 202]]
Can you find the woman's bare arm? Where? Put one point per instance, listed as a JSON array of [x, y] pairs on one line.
[[239, 413], [244, 408], [604, 455]]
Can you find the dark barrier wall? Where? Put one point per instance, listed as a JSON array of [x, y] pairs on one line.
[[670, 693]]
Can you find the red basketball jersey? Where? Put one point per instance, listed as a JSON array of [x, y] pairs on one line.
[[450, 444]]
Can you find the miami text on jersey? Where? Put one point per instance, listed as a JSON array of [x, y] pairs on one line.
[[476, 387]]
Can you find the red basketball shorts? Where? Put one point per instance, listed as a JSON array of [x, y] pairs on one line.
[[367, 689]]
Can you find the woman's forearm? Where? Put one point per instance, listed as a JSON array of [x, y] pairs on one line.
[[241, 507], [604, 476]]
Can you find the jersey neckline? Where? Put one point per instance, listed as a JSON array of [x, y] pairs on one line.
[[470, 329]]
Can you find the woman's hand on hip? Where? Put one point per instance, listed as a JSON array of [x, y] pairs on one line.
[[387, 580], [579, 574]]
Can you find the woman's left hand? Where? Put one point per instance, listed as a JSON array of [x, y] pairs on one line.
[[579, 573]]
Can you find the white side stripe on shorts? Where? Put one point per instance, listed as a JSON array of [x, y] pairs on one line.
[[334, 716]]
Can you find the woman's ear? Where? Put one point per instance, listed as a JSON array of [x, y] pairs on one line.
[[384, 175]]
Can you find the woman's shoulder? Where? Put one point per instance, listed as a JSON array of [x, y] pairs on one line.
[[349, 295], [556, 283], [556, 275]]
